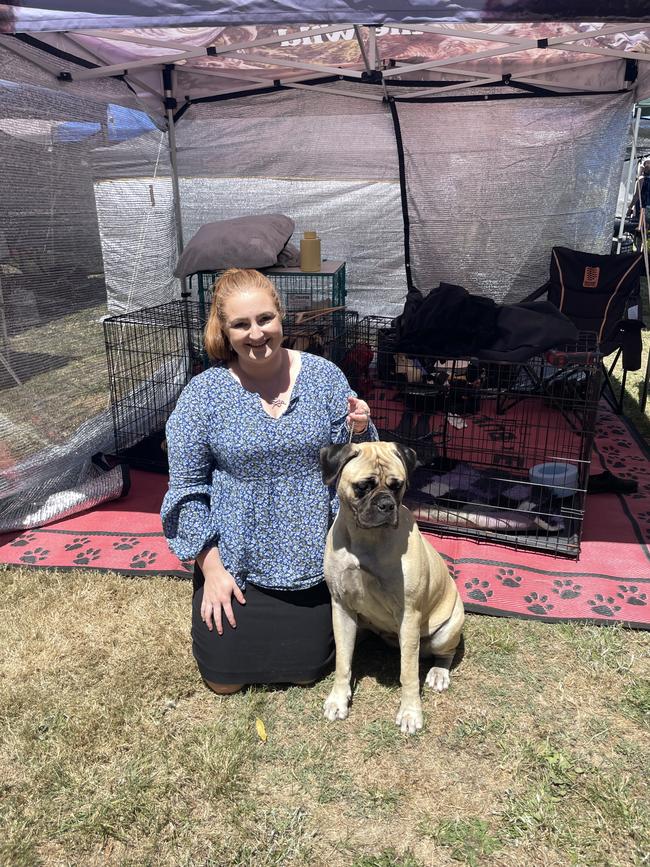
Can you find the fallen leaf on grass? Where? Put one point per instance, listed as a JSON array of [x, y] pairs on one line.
[[261, 730]]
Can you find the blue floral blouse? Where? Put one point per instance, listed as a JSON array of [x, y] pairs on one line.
[[250, 483]]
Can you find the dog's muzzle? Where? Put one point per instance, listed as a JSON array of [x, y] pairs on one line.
[[379, 511]]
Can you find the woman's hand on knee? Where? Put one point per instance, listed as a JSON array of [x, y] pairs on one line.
[[218, 592]]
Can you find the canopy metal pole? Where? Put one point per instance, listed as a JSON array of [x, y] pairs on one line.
[[170, 105], [362, 47], [372, 48], [644, 239], [630, 170]]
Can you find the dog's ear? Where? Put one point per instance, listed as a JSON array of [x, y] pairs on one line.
[[333, 459], [408, 457]]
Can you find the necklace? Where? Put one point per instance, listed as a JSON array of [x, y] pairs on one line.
[[274, 403]]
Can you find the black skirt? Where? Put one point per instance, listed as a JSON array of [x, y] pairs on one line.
[[282, 636]]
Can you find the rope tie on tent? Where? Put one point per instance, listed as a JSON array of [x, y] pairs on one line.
[[143, 234], [138, 256]]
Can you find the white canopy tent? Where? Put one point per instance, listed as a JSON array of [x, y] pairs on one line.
[[446, 139]]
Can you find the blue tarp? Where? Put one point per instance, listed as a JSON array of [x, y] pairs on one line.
[[125, 123], [122, 124]]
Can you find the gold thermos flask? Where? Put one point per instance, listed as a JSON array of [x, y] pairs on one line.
[[310, 252]]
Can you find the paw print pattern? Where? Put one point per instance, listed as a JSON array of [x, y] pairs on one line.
[[610, 449], [23, 541], [34, 556], [478, 589], [538, 604], [144, 559], [604, 605], [87, 556], [126, 543], [635, 598], [453, 571], [567, 589], [77, 542], [508, 578]]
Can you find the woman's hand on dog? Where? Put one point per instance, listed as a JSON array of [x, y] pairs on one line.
[[218, 591], [358, 415]]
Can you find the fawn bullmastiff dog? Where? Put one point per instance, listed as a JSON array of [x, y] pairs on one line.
[[383, 576]]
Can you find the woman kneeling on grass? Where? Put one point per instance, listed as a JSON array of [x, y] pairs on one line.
[[246, 497]]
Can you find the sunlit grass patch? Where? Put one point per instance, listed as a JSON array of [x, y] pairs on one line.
[[469, 840], [589, 809], [269, 837], [388, 858], [635, 702], [479, 728], [600, 649], [113, 752], [380, 736]]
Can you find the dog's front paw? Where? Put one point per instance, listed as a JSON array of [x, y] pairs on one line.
[[437, 678], [336, 706], [409, 718]]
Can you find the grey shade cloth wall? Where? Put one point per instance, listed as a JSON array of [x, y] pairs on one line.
[[138, 234], [327, 161], [65, 236], [290, 134], [32, 66], [493, 186], [134, 197], [359, 222]]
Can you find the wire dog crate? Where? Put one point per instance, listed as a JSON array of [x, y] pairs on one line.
[[154, 352], [151, 354], [504, 447], [298, 290]]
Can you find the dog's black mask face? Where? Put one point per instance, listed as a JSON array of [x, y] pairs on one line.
[[377, 500], [371, 479]]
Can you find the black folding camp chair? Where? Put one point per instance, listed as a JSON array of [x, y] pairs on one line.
[[601, 295]]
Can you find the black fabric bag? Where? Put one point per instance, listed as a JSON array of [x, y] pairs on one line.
[[449, 322], [628, 337], [527, 329]]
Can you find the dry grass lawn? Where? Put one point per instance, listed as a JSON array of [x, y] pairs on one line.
[[113, 753]]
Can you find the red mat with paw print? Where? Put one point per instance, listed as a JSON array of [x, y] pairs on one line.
[[609, 583]]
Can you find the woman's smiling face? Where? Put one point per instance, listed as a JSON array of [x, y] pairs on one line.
[[253, 325]]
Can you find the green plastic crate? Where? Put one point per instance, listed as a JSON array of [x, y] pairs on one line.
[[298, 290]]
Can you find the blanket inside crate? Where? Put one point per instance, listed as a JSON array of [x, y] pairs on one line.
[[468, 497]]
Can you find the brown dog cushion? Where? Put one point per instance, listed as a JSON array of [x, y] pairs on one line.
[[243, 242]]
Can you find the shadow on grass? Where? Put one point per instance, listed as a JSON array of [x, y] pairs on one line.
[[26, 365], [375, 659]]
